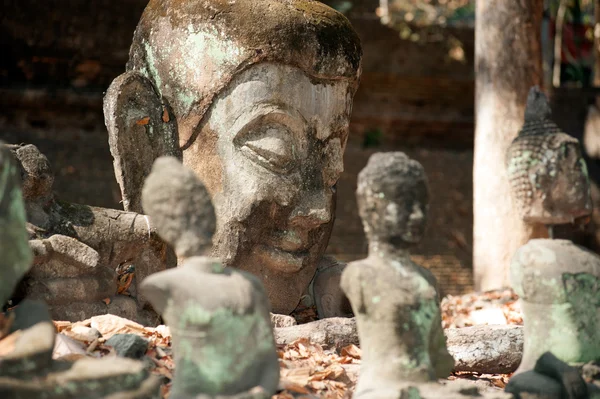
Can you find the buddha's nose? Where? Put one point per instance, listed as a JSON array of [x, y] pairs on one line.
[[314, 209]]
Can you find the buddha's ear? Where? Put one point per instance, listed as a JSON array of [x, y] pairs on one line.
[[141, 127]]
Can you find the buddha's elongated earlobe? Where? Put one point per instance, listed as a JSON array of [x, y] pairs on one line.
[[141, 127]]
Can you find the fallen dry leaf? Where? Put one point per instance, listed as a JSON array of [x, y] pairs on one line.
[[351, 351], [293, 387], [109, 325], [61, 325], [165, 115], [143, 121], [332, 372], [66, 346], [481, 308]]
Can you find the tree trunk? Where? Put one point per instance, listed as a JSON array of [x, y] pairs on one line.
[[508, 61], [596, 82], [558, 40]]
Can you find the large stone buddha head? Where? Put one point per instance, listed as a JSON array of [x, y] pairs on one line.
[[255, 96]]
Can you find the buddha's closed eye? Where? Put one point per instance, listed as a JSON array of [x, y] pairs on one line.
[[271, 146]]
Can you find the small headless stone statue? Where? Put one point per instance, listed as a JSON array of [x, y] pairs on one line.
[[222, 337], [395, 301], [78, 250], [255, 97]]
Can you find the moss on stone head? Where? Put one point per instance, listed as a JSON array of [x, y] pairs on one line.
[[234, 36]]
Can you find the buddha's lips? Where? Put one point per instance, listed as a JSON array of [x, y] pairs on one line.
[[284, 261], [290, 241]]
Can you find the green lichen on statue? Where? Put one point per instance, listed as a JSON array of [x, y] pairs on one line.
[[203, 366], [14, 246], [175, 38], [559, 286]]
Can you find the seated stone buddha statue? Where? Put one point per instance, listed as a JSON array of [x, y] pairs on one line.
[[255, 97]]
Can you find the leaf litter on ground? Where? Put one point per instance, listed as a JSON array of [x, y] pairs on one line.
[[307, 369]]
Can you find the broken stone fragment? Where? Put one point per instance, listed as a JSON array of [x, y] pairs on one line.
[[62, 256], [28, 371], [32, 334], [128, 345], [551, 379], [282, 320], [559, 286], [60, 291]]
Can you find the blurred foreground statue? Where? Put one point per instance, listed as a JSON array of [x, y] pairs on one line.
[[222, 337], [255, 97], [28, 371], [15, 256]]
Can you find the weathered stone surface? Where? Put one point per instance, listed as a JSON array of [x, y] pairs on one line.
[[128, 345], [262, 114], [546, 169], [77, 248], [87, 378], [28, 371], [219, 317], [395, 301], [485, 349], [325, 288], [559, 286], [32, 351], [16, 256], [282, 320], [62, 256], [222, 336], [60, 291], [450, 390], [119, 305], [493, 348], [332, 332]]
